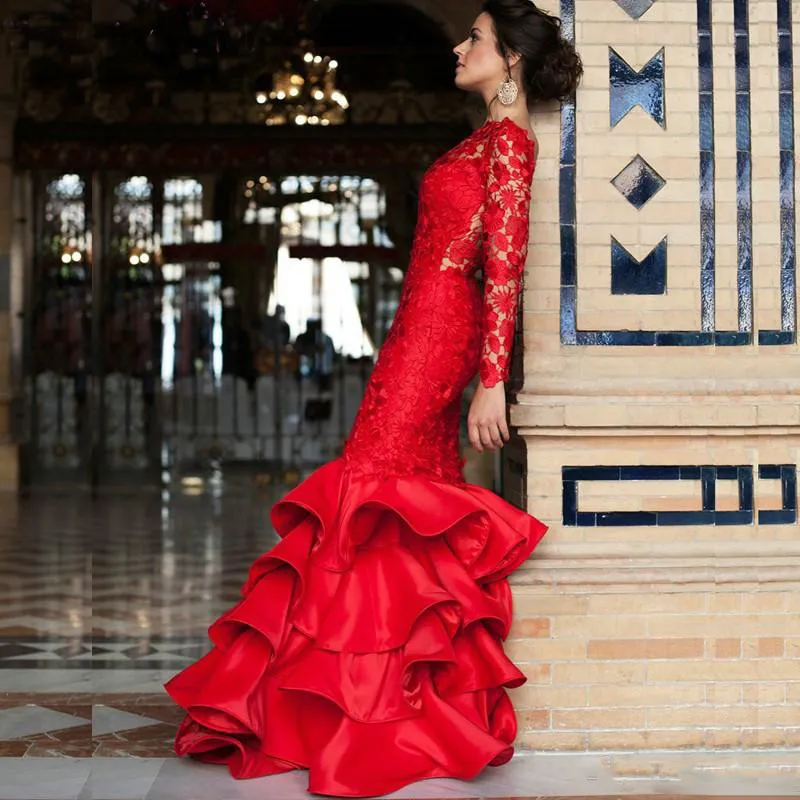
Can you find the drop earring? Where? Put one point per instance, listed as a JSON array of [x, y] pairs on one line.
[[507, 91]]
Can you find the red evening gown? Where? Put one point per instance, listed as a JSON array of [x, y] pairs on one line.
[[367, 646]]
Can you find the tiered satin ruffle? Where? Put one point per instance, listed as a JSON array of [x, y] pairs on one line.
[[367, 647]]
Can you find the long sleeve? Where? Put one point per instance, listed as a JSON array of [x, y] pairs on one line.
[[505, 225]]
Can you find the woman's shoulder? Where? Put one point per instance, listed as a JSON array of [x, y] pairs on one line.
[[515, 131]]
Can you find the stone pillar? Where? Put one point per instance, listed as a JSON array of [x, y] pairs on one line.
[[8, 451], [661, 400]]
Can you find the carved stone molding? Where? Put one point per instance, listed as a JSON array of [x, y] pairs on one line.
[[667, 415], [544, 572]]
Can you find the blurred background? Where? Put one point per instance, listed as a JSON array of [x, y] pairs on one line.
[[213, 207]]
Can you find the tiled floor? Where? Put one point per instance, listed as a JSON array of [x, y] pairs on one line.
[[101, 602]]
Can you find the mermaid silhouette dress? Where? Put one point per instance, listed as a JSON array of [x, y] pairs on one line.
[[367, 646]]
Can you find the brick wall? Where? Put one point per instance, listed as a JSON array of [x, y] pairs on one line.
[[661, 399], [658, 666]]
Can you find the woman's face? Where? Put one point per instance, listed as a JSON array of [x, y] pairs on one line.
[[480, 66]]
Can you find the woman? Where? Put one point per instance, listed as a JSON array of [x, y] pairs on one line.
[[367, 647]]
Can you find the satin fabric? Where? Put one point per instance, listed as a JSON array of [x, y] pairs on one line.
[[367, 647]]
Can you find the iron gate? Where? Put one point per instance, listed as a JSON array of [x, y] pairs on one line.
[[138, 370]]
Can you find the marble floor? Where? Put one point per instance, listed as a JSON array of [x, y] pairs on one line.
[[102, 601]]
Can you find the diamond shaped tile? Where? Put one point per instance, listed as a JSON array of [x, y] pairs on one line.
[[638, 182], [31, 719], [74, 650], [635, 8], [109, 720], [14, 650]]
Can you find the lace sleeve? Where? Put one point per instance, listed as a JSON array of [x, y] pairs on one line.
[[505, 226]]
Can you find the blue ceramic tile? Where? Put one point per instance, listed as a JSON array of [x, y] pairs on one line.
[[707, 295], [746, 302], [568, 250], [566, 195], [567, 14], [789, 311], [789, 486], [626, 518], [631, 276], [590, 473], [630, 88], [742, 122], [787, 194], [568, 133], [594, 338], [741, 56], [776, 338], [617, 338], [733, 517], [746, 488], [785, 60], [704, 17], [650, 473], [706, 122], [769, 472], [788, 297], [635, 8], [740, 17], [708, 484], [743, 179], [782, 517], [586, 519], [705, 70], [690, 473], [638, 182], [684, 338], [568, 316], [685, 518], [725, 473], [786, 121], [745, 285], [732, 338], [707, 241], [785, 16], [707, 195], [570, 502]]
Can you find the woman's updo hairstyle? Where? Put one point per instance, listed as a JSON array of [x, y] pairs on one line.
[[551, 69]]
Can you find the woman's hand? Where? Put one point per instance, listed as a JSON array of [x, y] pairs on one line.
[[486, 421]]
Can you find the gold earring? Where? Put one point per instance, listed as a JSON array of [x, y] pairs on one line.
[[507, 91]]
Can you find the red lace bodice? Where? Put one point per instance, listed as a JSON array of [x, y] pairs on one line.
[[473, 212]]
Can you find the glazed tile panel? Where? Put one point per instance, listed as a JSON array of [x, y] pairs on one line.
[[640, 182]]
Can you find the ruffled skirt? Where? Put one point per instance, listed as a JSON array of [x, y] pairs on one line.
[[367, 647]]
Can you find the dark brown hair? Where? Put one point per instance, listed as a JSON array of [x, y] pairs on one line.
[[551, 68]]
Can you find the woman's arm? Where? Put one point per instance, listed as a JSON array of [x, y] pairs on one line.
[[505, 223]]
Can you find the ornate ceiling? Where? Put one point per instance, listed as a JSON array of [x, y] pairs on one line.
[[203, 62]]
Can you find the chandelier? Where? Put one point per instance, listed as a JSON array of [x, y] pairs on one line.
[[302, 91]]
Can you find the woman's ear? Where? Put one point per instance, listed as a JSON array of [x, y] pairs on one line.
[[513, 59]]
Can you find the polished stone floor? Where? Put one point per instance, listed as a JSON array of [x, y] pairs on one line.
[[101, 601]]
